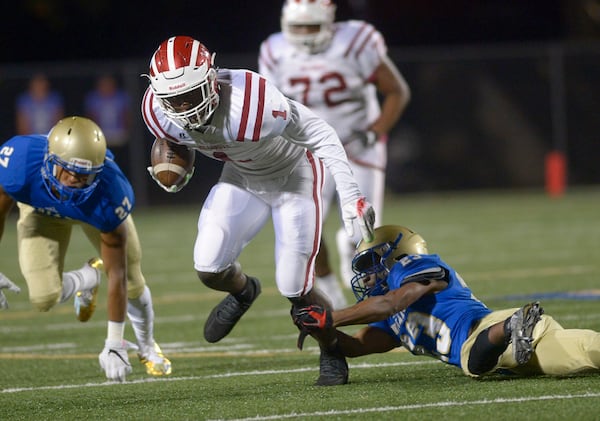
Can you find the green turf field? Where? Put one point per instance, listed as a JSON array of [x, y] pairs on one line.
[[510, 247]]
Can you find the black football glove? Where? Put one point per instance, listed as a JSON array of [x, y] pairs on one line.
[[310, 318]]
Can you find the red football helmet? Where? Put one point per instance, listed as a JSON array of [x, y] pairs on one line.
[[184, 80]]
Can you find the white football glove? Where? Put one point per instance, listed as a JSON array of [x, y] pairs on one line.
[[174, 188], [114, 360], [6, 283], [363, 212]]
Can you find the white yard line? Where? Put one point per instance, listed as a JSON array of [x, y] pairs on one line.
[[211, 376], [400, 408]]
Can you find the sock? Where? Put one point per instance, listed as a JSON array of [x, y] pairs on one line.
[[77, 280], [247, 294], [507, 331], [141, 315], [484, 354]]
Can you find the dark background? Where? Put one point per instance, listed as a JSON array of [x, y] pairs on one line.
[[90, 29], [496, 84]]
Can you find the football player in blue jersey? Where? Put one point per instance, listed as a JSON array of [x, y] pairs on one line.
[[69, 178], [410, 298]]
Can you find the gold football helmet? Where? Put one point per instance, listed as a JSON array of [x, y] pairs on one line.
[[77, 145], [390, 243]]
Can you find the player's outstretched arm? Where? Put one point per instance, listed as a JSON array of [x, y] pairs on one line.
[[113, 249]]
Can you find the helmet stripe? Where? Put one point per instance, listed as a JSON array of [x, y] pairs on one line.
[[153, 68], [170, 53], [195, 51]]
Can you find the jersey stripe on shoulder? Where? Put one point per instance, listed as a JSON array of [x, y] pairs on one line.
[[151, 118], [436, 273], [261, 108], [365, 41], [254, 104], [245, 107], [360, 39]]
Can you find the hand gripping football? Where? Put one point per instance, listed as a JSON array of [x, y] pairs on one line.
[[171, 162]]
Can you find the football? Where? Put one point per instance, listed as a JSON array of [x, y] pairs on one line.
[[171, 162]]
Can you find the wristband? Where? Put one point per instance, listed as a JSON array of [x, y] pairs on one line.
[[116, 331]]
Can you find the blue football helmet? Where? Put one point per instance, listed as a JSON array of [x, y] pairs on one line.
[[77, 145], [374, 259]]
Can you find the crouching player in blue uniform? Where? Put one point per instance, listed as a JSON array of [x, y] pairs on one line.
[[69, 178], [414, 299]]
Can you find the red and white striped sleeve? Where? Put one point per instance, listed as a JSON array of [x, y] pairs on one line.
[[155, 120], [259, 109]]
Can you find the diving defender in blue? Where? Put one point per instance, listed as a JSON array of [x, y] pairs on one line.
[[69, 178], [408, 297]]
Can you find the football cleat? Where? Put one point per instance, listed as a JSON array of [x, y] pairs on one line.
[[522, 324], [333, 368], [155, 361], [227, 313], [85, 300]]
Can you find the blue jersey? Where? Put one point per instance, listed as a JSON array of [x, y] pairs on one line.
[[437, 324], [111, 113], [41, 114], [21, 162]]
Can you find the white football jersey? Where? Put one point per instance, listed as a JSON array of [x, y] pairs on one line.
[[335, 83], [257, 131]]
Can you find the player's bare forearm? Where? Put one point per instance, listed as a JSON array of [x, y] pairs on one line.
[[380, 307], [117, 294], [396, 95], [370, 310], [369, 340], [6, 204], [114, 255]]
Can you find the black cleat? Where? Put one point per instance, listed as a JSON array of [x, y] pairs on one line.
[[227, 313], [522, 324], [333, 368]]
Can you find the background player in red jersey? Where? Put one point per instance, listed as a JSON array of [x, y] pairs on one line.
[[338, 70]]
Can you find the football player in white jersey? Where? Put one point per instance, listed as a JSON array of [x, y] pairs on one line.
[[337, 70], [274, 151]]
